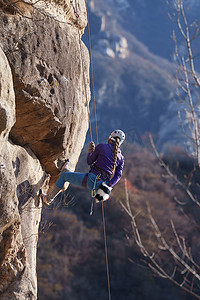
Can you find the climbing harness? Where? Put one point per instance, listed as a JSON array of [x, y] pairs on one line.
[[100, 177], [97, 178], [93, 193], [95, 116], [94, 185]]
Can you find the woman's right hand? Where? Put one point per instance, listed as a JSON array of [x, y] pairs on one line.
[[91, 147]]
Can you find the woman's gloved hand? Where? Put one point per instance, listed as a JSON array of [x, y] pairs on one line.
[[91, 147]]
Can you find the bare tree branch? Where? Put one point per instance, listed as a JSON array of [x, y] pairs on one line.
[[184, 265], [173, 176]]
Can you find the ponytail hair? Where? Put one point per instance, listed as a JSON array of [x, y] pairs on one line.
[[116, 140]]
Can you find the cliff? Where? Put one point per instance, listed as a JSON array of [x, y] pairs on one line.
[[44, 93]]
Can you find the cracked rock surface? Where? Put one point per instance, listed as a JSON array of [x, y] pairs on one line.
[[44, 93]]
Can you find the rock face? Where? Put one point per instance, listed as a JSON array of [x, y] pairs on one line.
[[44, 95]]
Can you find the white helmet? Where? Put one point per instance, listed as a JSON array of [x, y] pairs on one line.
[[118, 133]]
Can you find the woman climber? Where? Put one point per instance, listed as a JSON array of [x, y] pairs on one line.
[[106, 161]]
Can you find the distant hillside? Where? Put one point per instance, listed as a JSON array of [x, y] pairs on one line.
[[147, 20], [134, 85], [71, 258]]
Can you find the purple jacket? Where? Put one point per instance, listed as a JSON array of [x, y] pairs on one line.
[[103, 156]]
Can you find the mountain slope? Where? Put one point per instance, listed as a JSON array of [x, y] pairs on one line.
[[134, 82], [133, 86]]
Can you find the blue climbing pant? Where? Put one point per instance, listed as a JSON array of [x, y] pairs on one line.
[[75, 178]]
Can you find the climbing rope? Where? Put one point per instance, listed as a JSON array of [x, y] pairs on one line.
[[92, 74], [95, 115], [96, 127], [87, 102], [106, 251]]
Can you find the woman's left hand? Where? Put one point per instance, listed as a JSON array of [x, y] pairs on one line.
[[91, 147]]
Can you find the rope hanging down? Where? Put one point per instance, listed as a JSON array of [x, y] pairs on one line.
[[92, 75], [94, 101]]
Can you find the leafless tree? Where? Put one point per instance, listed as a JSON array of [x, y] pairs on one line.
[[187, 76], [171, 257]]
